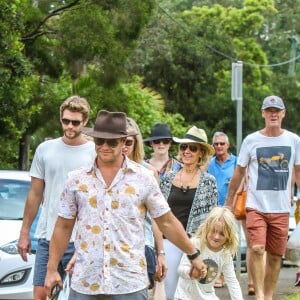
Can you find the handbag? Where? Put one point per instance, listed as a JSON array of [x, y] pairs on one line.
[[240, 205], [293, 246], [65, 291]]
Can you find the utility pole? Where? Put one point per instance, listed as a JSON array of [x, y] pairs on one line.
[[237, 95], [295, 42]]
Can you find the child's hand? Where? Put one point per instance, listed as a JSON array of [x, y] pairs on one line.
[[198, 269], [161, 268], [70, 265]]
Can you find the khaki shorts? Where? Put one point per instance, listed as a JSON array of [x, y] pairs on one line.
[[269, 230]]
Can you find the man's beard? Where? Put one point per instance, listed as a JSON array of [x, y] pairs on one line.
[[74, 135]]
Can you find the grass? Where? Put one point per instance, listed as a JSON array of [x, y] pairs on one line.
[[293, 297]]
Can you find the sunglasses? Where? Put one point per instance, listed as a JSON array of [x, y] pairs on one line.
[[221, 144], [165, 142], [193, 148], [129, 143], [74, 122], [110, 142]]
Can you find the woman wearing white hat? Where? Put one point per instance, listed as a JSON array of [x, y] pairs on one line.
[[191, 194]]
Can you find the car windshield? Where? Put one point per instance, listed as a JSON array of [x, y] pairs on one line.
[[13, 194]]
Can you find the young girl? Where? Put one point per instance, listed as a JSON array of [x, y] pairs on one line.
[[217, 239]]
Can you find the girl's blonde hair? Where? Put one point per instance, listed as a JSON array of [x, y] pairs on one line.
[[226, 217], [133, 129]]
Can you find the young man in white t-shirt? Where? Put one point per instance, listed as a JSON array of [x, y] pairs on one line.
[[52, 162]]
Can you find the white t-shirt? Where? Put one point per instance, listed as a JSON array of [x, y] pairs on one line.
[[52, 162], [270, 161], [217, 263]]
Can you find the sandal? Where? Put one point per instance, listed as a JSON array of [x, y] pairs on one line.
[[251, 289], [297, 282]]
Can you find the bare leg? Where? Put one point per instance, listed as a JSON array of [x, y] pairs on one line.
[[39, 293], [258, 270], [273, 265], [251, 287]]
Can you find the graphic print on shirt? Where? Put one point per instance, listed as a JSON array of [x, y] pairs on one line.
[[212, 271], [273, 167]]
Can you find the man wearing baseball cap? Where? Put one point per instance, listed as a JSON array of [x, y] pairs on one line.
[[270, 155], [109, 201]]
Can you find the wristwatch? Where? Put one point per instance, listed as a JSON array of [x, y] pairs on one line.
[[162, 252], [193, 256]]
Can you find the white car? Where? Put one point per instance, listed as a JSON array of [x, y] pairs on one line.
[[292, 226], [15, 274]]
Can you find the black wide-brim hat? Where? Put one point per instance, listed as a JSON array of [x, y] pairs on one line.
[[159, 131], [108, 125]]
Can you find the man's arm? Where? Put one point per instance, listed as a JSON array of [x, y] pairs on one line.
[[58, 245], [33, 201], [297, 175], [235, 182], [170, 226], [161, 267]]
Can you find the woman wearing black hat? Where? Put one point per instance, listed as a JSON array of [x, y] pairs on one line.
[[160, 140], [191, 194]]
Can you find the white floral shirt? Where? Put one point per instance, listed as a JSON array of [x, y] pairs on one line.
[[110, 237]]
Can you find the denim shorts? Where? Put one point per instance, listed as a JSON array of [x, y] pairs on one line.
[[41, 261], [139, 295]]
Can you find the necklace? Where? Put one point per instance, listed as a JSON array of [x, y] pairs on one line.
[[185, 189]]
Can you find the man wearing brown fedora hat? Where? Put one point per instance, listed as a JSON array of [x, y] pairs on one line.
[[109, 202]]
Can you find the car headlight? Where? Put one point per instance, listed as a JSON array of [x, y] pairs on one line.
[[15, 277], [10, 248]]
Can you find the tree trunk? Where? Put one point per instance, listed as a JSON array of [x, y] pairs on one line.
[[24, 152]]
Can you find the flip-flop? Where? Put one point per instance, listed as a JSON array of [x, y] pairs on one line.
[[297, 282], [251, 289]]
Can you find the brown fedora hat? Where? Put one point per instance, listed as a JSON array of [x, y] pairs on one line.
[[108, 125]]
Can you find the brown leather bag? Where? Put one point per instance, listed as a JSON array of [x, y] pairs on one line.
[[240, 205]]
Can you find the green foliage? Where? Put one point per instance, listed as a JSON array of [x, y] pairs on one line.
[[146, 107], [54, 49], [187, 56], [57, 48]]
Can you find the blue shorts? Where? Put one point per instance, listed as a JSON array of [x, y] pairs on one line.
[[41, 261], [139, 295]]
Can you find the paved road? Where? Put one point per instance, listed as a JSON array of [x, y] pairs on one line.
[[284, 288]]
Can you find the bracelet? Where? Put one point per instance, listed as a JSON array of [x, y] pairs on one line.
[[193, 256], [162, 252]]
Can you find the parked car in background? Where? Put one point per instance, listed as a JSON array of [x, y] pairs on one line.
[[15, 274], [240, 257], [292, 226]]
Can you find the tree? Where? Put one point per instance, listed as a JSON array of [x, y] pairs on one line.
[[191, 68], [53, 48]]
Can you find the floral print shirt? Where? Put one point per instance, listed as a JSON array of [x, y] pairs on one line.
[[110, 237]]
